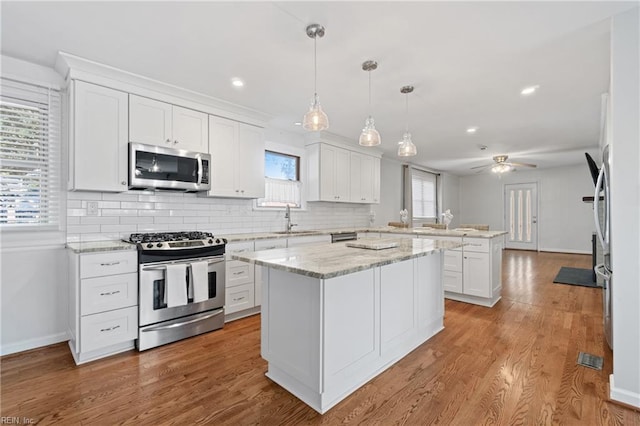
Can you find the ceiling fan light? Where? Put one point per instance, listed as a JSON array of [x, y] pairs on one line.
[[369, 135], [315, 119], [500, 168], [406, 147]]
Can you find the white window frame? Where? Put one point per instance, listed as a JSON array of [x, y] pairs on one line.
[[23, 237], [294, 151]]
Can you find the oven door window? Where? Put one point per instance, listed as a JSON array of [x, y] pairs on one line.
[[162, 167], [160, 295]]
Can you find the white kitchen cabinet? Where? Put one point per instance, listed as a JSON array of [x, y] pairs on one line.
[[159, 123], [98, 138], [362, 178], [473, 272], [237, 159], [103, 311], [341, 175]]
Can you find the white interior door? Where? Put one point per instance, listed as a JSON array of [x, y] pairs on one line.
[[521, 215]]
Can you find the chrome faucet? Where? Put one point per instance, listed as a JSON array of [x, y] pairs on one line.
[[287, 215]]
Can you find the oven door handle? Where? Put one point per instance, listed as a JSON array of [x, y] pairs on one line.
[[163, 267], [180, 324]]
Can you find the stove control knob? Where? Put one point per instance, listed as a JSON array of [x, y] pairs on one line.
[[210, 241], [149, 245], [159, 245], [217, 240], [224, 240]]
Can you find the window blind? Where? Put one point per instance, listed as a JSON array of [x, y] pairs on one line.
[[279, 193], [423, 194], [30, 156]]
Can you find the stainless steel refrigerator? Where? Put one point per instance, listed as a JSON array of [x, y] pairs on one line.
[[602, 218]]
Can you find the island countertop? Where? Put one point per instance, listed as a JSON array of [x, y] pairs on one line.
[[332, 260]]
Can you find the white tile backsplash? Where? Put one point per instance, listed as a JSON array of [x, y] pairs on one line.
[[122, 214]]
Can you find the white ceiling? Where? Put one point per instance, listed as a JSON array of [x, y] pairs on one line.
[[468, 62]]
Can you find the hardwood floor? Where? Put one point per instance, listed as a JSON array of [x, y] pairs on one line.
[[512, 364]]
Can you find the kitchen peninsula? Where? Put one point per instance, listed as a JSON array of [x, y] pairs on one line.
[[335, 316]]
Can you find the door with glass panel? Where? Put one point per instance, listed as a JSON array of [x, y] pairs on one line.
[[521, 216]]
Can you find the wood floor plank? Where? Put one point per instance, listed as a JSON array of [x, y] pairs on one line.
[[513, 364]]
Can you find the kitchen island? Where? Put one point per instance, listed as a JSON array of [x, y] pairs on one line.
[[334, 316]]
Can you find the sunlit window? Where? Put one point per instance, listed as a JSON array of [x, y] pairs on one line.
[[282, 180]]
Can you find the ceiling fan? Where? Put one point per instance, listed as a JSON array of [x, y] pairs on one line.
[[501, 165]]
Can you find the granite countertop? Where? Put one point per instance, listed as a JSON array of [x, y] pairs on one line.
[[95, 246], [318, 261], [383, 229]]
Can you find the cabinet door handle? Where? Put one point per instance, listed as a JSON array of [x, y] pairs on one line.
[[238, 273], [242, 191], [109, 328], [110, 293], [168, 141], [237, 190], [175, 142], [269, 248], [117, 262], [124, 182], [238, 299]]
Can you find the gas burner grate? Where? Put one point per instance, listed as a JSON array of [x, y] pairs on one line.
[[169, 236]]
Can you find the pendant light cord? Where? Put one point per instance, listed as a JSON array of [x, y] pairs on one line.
[[369, 92], [315, 65], [407, 109]]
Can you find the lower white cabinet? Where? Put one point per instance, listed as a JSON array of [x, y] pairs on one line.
[[473, 272], [103, 311]]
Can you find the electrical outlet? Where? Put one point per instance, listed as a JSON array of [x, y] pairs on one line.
[[92, 208]]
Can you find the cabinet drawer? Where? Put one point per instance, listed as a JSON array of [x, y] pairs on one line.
[[239, 273], [452, 261], [108, 293], [452, 281], [101, 264], [477, 245], [108, 328], [239, 298], [271, 244]]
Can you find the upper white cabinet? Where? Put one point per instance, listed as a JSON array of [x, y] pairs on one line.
[[362, 178], [98, 134], [341, 175], [159, 123], [237, 159]]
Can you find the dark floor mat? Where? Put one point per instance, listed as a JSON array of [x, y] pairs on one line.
[[575, 276]]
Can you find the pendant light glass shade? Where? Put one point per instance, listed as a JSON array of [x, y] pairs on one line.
[[501, 168], [369, 135], [315, 119], [406, 147]]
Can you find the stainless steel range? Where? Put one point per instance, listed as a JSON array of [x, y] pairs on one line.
[[181, 278]]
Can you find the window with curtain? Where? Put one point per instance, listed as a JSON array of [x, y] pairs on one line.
[[421, 195], [282, 181], [30, 156]]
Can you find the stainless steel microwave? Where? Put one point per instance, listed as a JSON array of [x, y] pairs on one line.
[[157, 167]]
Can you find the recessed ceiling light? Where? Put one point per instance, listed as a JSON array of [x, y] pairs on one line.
[[297, 123], [237, 82], [529, 90], [472, 129]]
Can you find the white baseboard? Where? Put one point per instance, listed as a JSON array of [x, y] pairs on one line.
[[26, 345], [561, 250], [624, 396]]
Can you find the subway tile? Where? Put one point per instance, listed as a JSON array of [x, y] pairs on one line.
[[135, 220], [119, 197], [137, 205], [100, 220], [83, 229], [118, 212], [118, 228]]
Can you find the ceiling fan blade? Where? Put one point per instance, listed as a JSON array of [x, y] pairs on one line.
[[522, 164], [481, 167]]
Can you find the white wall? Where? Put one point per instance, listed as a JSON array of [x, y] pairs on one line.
[[34, 298], [33, 273], [565, 223], [450, 198], [390, 192], [625, 207]]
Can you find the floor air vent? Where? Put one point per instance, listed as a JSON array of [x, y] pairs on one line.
[[591, 361]]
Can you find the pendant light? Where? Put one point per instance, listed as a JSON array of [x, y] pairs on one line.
[[315, 119], [406, 148], [369, 135]]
